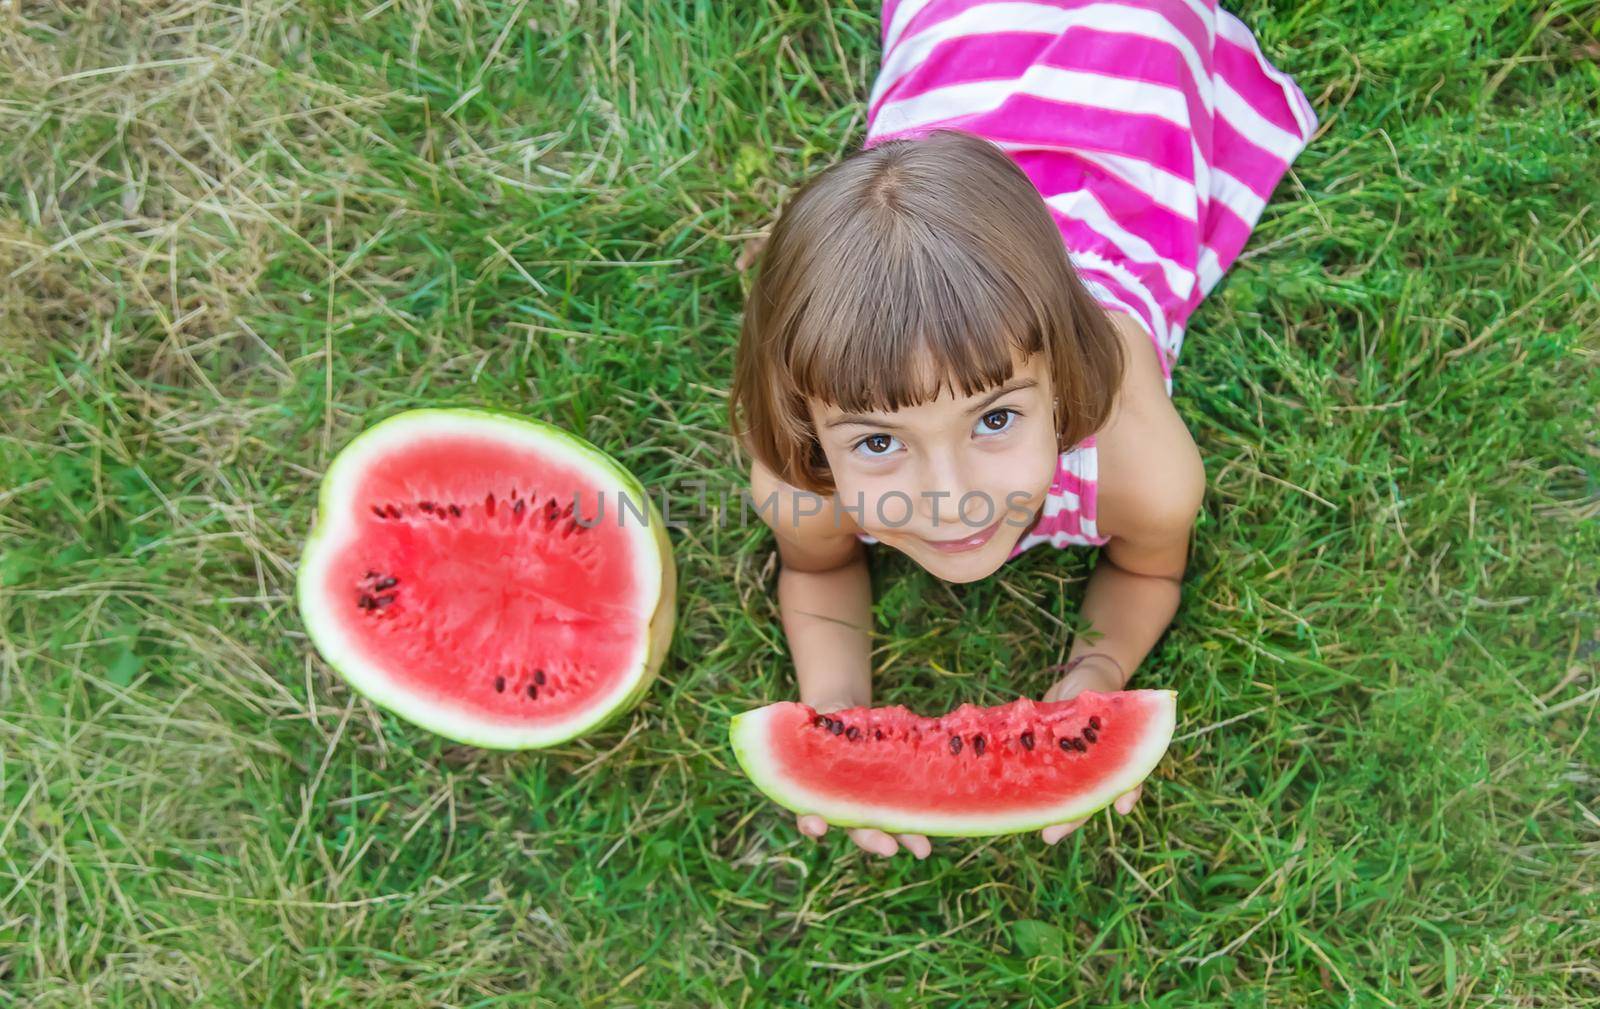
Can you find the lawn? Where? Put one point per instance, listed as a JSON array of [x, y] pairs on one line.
[[232, 234]]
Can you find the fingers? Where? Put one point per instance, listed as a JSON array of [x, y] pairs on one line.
[[875, 841], [1126, 801], [916, 844], [1056, 831], [1124, 805], [1065, 689]]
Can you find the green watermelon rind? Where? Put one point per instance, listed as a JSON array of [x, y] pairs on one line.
[[426, 713], [747, 733]]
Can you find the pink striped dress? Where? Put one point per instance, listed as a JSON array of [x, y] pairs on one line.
[[1155, 130]]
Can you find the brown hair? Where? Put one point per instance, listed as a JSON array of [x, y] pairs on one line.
[[935, 250]]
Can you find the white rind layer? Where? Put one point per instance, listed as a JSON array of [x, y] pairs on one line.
[[336, 526], [751, 735]]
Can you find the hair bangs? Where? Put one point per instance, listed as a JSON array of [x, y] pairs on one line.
[[899, 322]]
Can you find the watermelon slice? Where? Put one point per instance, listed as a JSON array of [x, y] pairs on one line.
[[489, 577], [970, 773]]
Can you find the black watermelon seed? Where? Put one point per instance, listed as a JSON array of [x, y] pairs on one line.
[[533, 691], [384, 600], [978, 745], [1080, 746], [1066, 744], [877, 733], [379, 512], [499, 684], [955, 744], [538, 676], [1027, 740], [1088, 732], [365, 602], [516, 507], [387, 583], [819, 721], [455, 511], [394, 512], [426, 506], [1094, 721], [837, 727], [852, 733]]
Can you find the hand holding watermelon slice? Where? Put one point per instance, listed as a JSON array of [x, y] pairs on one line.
[[1099, 673], [972, 772], [1085, 676]]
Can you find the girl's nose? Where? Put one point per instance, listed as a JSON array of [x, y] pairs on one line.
[[948, 482]]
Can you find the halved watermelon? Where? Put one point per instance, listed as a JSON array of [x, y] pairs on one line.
[[492, 578], [970, 773]]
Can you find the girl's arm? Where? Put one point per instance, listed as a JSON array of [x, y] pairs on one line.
[[1152, 483], [1151, 486], [825, 600], [825, 616], [824, 595]]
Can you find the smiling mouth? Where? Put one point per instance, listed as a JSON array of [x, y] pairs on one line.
[[966, 543]]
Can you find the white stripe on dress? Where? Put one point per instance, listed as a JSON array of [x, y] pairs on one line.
[[1163, 188], [1235, 31], [1236, 196], [1124, 276], [1031, 17], [1081, 206], [1079, 87], [1253, 126], [903, 13]]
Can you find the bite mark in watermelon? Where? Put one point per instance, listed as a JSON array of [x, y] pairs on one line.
[[489, 577], [970, 773]]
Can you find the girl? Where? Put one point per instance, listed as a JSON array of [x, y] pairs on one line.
[[962, 336]]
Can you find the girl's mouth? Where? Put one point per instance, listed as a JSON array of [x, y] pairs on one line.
[[972, 542]]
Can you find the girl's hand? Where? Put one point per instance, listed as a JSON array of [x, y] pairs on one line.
[[875, 842], [1100, 674], [868, 839]]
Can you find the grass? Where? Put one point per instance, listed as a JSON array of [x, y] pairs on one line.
[[232, 235]]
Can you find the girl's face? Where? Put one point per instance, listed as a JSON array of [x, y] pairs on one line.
[[955, 482]]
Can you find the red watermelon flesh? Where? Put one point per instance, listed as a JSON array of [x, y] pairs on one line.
[[974, 771], [472, 572]]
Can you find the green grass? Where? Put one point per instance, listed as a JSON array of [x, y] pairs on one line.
[[232, 236]]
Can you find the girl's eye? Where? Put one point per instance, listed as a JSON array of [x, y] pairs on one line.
[[995, 421], [877, 444]]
